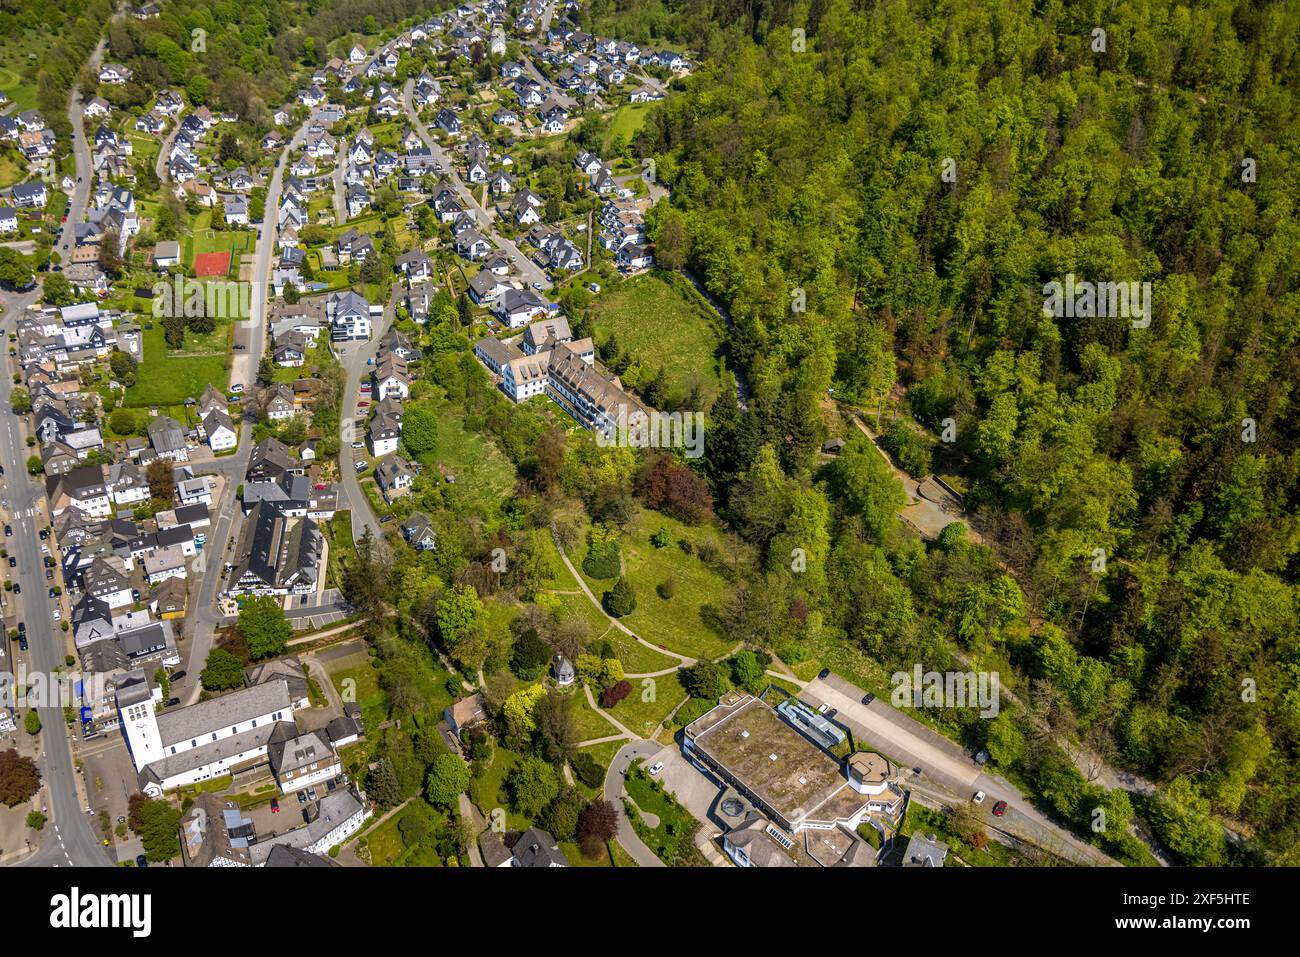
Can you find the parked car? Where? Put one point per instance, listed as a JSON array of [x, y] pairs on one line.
[[51, 595], [45, 532], [13, 562], [237, 388], [177, 676], [173, 702], [302, 797], [22, 627], [657, 767], [58, 615], [141, 861], [979, 797], [49, 574], [18, 589], [22, 642], [868, 698], [1000, 808], [9, 529], [358, 445], [275, 805], [362, 466]]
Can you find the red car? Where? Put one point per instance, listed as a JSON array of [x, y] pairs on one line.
[[1000, 808], [275, 806]]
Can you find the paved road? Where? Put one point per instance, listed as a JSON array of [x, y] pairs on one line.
[[353, 426], [945, 766], [71, 839], [80, 199], [340, 191], [529, 271], [614, 795], [202, 622]]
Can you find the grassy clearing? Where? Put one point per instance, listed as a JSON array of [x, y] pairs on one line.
[[363, 682], [662, 325], [677, 623], [588, 721], [483, 474], [626, 122], [614, 856], [651, 700], [169, 377]]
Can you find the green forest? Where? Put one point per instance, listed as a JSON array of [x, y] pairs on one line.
[[920, 171]]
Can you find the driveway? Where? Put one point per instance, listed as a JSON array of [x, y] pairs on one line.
[[614, 795], [947, 772]]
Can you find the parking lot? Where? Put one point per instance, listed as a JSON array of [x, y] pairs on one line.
[[694, 790], [110, 781]]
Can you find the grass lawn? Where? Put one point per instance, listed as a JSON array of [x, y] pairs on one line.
[[169, 377], [643, 716], [671, 839], [338, 530], [202, 238], [488, 792], [637, 658], [483, 474], [675, 623], [604, 753], [11, 83], [589, 723], [363, 682], [614, 856], [627, 122], [662, 325], [11, 171]]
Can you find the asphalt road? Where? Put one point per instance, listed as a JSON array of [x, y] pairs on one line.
[[947, 771], [352, 423], [614, 795], [203, 620], [529, 271], [63, 243], [70, 838]]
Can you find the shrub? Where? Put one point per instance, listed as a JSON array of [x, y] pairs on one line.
[[908, 447], [615, 693], [602, 561], [620, 600], [667, 588], [587, 770]]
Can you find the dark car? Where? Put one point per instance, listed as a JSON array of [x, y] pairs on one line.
[[302, 797], [51, 595], [868, 698], [18, 589], [177, 676], [22, 642], [45, 532], [173, 702], [275, 805], [22, 627], [9, 529], [13, 562], [306, 816], [141, 861], [1000, 808], [49, 574]]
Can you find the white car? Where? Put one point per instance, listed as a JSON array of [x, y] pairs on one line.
[[979, 797], [657, 768], [57, 615], [237, 388], [358, 445]]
